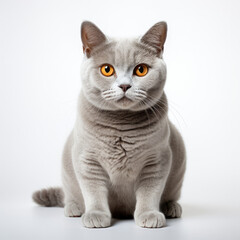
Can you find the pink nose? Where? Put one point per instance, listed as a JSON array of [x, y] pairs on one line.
[[125, 87]]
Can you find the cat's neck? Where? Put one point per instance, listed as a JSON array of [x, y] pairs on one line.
[[156, 113]]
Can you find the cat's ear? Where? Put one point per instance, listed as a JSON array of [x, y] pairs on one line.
[[91, 36], [156, 36]]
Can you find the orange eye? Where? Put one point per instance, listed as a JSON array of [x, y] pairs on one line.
[[141, 70], [107, 70]]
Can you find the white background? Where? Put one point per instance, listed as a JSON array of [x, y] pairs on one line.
[[40, 57]]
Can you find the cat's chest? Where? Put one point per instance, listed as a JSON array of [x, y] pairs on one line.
[[122, 157], [122, 148]]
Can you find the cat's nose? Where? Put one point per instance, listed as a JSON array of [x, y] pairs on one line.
[[125, 87]]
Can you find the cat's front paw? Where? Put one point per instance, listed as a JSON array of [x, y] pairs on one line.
[[72, 209], [96, 219], [150, 219]]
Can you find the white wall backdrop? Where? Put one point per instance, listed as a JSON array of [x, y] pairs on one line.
[[40, 57]]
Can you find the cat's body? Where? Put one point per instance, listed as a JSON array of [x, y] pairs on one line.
[[123, 158]]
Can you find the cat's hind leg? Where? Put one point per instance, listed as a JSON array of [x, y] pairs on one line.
[[169, 205], [171, 209], [73, 199]]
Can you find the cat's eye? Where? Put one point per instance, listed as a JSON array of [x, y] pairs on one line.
[[107, 70], [141, 70]]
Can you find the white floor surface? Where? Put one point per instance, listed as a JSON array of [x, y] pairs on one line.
[[28, 221]]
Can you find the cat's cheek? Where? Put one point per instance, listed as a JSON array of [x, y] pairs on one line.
[[145, 83], [104, 82]]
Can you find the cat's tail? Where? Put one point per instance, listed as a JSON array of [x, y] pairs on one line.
[[49, 197]]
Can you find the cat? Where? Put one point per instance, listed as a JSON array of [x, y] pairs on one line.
[[123, 158]]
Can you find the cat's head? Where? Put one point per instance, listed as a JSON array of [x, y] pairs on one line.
[[124, 74]]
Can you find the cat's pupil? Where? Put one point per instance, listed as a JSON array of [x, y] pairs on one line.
[[140, 69], [107, 69]]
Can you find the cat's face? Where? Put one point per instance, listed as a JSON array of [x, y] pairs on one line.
[[123, 74]]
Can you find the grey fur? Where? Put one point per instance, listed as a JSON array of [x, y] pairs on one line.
[[49, 197], [124, 157]]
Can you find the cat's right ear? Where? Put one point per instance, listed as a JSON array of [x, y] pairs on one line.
[[91, 36]]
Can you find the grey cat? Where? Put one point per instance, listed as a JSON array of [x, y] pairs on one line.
[[124, 157]]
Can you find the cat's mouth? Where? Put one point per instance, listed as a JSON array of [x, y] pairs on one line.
[[124, 100], [120, 100]]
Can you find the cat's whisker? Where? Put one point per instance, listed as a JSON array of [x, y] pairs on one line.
[[175, 109], [147, 117], [139, 98], [140, 91], [171, 109], [108, 92], [155, 105], [150, 107], [145, 110], [111, 94], [140, 95]]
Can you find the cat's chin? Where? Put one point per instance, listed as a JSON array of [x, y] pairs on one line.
[[124, 103]]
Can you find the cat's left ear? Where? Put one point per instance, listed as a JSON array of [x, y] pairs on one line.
[[91, 36], [156, 37]]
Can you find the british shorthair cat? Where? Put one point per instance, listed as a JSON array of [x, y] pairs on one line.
[[123, 158]]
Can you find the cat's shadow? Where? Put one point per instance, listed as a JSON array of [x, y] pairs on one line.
[[192, 211], [189, 211], [116, 221]]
